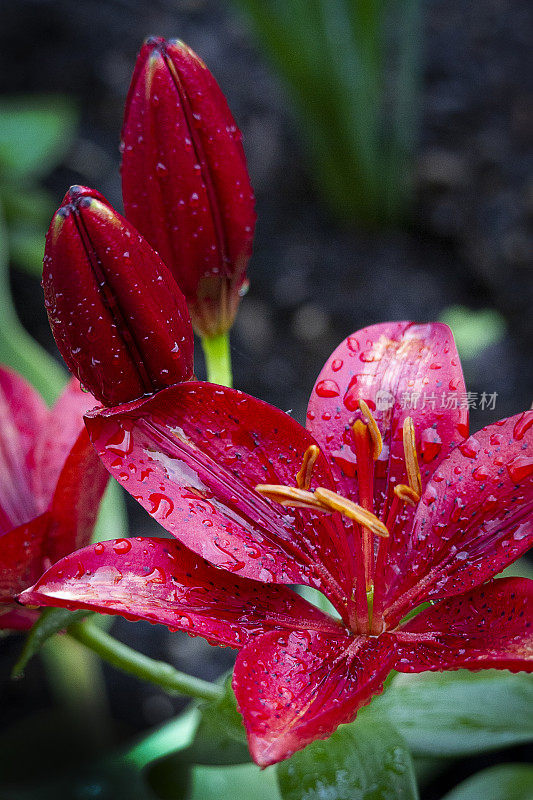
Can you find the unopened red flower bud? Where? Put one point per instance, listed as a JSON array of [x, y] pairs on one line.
[[117, 315], [184, 180]]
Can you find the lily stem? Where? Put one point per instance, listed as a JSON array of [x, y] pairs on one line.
[[218, 359], [134, 663]]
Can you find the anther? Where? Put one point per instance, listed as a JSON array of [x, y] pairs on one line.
[[289, 496], [411, 460], [303, 478], [332, 501], [375, 435], [406, 494]]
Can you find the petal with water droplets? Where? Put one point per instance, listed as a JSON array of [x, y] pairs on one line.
[[56, 437], [22, 556], [159, 580], [22, 416], [192, 456], [475, 517], [399, 369], [293, 688], [489, 627]]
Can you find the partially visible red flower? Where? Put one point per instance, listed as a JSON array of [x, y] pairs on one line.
[[51, 483], [118, 317], [383, 504], [184, 180]]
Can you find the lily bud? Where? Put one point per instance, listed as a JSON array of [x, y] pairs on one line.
[[184, 180], [118, 318]]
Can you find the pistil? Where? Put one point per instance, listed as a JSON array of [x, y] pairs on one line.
[[366, 447]]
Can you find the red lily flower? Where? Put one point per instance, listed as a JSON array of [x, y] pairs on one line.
[[373, 502], [50, 488], [105, 287], [184, 180]]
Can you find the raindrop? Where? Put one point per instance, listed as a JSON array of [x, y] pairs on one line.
[[122, 546], [158, 502], [524, 424], [327, 388], [430, 444], [470, 448], [520, 468]]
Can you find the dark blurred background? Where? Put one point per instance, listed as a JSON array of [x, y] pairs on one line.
[[464, 253]]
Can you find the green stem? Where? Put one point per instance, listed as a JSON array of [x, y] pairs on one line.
[[218, 359], [128, 660]]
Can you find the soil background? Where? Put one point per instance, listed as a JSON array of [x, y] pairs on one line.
[[312, 282]]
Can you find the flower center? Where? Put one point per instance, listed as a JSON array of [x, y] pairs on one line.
[[365, 605]]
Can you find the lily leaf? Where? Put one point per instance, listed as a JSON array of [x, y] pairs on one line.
[[220, 737], [51, 621], [240, 782], [363, 760], [502, 782], [459, 713]]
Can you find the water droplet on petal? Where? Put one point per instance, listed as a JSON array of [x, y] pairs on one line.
[[122, 546], [327, 388], [430, 444], [470, 448], [520, 468], [524, 424]]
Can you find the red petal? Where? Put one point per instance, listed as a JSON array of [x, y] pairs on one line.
[[475, 517], [22, 415], [192, 455], [487, 627], [184, 178], [22, 553], [15, 618], [298, 687], [389, 366], [56, 437], [76, 500], [159, 580]]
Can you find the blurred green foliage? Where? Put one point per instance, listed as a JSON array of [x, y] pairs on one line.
[[35, 134], [352, 70], [474, 330]]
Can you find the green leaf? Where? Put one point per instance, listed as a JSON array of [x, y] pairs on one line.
[[220, 738], [503, 782], [366, 760], [35, 133], [50, 622], [474, 330], [459, 713], [26, 245], [242, 782], [27, 203]]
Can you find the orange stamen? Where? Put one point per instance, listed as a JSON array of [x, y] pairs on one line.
[[303, 477], [289, 496], [411, 459], [332, 501], [373, 430]]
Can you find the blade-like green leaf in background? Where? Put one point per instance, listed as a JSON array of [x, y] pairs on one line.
[[366, 760], [503, 782], [35, 133], [242, 782], [459, 713]]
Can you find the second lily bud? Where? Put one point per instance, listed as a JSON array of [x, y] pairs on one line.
[[184, 180], [117, 315]]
